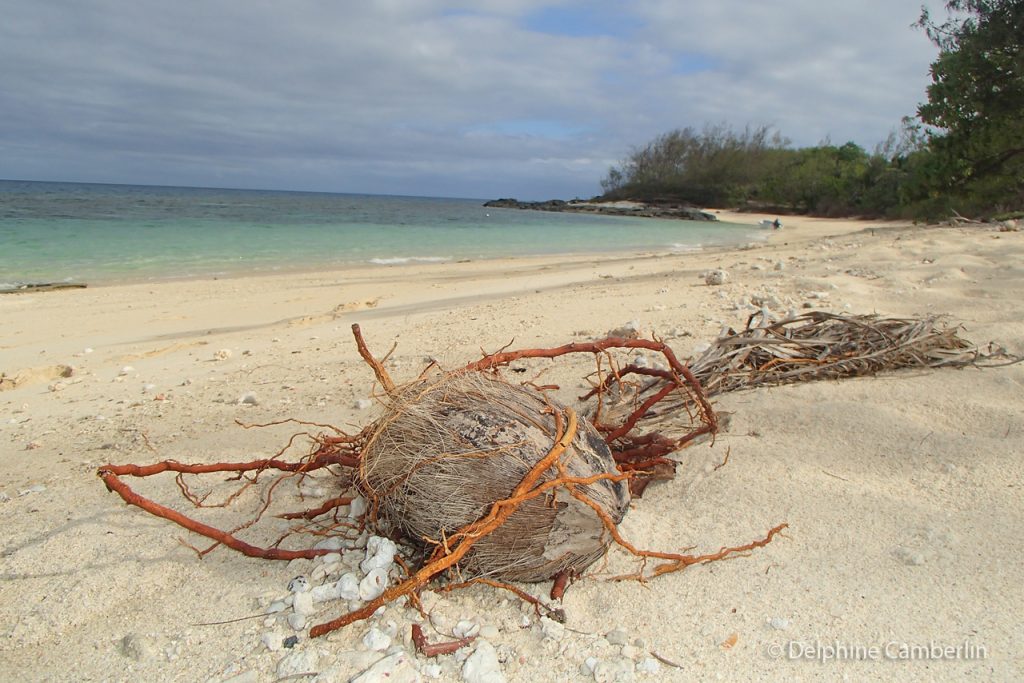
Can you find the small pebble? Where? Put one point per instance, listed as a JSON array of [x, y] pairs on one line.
[[778, 623], [489, 632], [303, 604], [297, 621], [617, 637], [483, 666], [431, 670], [630, 330], [249, 398], [395, 668], [914, 559], [330, 543], [326, 592], [300, 584], [376, 640], [222, 354], [362, 404], [551, 629], [466, 628], [272, 640], [276, 606], [347, 586], [126, 370], [716, 277], [357, 507], [35, 488], [138, 647], [616, 670], [298, 662], [648, 665], [290, 642]]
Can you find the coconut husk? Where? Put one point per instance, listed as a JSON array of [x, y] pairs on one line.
[[447, 448]]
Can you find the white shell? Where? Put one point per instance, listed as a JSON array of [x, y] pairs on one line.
[[373, 585], [348, 587], [380, 554]]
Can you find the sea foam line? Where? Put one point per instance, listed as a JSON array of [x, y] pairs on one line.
[[409, 259]]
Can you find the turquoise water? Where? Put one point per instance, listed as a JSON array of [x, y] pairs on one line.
[[56, 232]]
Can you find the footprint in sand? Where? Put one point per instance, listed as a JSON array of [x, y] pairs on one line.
[[928, 544], [334, 313], [34, 376]]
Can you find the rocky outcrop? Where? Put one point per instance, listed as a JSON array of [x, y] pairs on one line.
[[636, 209]]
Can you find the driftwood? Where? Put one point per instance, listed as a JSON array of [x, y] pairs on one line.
[[42, 287]]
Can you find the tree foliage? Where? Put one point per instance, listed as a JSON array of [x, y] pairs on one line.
[[714, 167], [975, 107], [721, 167], [965, 152]]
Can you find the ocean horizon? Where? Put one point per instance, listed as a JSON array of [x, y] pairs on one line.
[[55, 232]]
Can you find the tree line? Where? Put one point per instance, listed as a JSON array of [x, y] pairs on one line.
[[963, 151]]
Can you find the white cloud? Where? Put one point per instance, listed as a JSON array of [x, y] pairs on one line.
[[416, 97]]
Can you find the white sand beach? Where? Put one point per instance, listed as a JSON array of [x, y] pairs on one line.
[[902, 491]]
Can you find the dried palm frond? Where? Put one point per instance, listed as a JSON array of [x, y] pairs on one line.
[[820, 345]]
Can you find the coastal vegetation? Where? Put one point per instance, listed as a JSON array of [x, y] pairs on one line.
[[963, 151]]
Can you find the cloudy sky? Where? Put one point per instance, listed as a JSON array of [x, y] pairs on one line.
[[525, 98]]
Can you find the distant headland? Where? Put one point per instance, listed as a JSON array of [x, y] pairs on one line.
[[617, 208]]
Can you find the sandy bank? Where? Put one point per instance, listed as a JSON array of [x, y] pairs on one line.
[[902, 491]]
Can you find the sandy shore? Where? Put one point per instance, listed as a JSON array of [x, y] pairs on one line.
[[902, 492]]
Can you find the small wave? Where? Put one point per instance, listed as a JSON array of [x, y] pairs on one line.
[[678, 247], [396, 260]]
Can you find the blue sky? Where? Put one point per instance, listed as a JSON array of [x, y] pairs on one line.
[[520, 98]]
